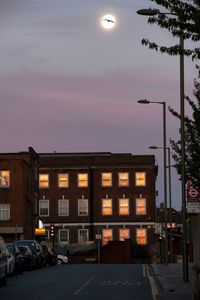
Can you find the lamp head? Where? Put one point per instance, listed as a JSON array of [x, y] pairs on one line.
[[144, 101], [148, 12]]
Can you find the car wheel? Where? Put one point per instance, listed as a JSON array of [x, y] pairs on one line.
[[59, 261]]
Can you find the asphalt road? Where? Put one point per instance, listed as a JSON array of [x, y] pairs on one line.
[[80, 282]]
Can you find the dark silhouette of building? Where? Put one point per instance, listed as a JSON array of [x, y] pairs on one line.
[[18, 194], [79, 198], [98, 195]]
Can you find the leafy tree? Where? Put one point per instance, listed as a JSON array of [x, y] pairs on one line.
[[184, 19], [192, 139]]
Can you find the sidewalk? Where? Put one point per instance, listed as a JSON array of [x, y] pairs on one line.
[[170, 280]]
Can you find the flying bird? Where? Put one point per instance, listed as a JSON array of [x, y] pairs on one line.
[[108, 20]]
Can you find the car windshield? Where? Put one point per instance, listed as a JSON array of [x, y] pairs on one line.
[[23, 250], [30, 244]]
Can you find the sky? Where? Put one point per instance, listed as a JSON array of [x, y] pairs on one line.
[[67, 85]]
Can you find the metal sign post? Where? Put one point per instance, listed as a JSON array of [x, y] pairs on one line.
[[98, 237]]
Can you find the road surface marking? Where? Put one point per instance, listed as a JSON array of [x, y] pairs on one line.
[[144, 271], [154, 289], [84, 285]]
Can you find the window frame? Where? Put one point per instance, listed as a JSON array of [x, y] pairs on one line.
[[145, 236], [67, 180], [44, 187], [3, 210], [59, 236], [124, 229], [79, 239], [59, 206], [40, 201], [137, 207], [121, 179], [103, 235], [87, 206], [7, 177], [102, 209], [103, 180], [137, 179], [124, 214], [78, 179]]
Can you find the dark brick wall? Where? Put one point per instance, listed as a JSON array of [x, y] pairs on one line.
[[23, 192], [94, 165], [21, 195]]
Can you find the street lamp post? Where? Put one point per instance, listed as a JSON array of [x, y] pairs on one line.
[[170, 204], [145, 101], [170, 199], [154, 12]]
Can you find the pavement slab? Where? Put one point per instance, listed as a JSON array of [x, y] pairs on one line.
[[170, 280]]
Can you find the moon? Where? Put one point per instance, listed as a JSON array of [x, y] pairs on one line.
[[108, 22]]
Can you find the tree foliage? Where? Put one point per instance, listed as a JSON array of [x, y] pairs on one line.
[[184, 19], [192, 139]]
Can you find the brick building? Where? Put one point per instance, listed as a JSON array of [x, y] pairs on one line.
[[86, 194], [18, 194]]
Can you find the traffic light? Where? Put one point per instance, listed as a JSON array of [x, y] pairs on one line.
[[52, 229]]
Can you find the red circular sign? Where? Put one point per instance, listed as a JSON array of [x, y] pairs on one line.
[[193, 193]]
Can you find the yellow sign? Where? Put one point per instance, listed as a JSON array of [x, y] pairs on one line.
[[39, 231]]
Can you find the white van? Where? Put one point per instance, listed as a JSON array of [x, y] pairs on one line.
[[3, 261]]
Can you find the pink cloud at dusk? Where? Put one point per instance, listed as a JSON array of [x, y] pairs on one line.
[[53, 99]]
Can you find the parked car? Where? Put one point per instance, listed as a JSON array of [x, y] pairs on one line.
[[10, 263], [62, 259], [51, 256], [29, 257], [36, 249], [19, 261], [3, 261]]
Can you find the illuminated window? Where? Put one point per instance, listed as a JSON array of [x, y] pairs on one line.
[[141, 236], [63, 236], [44, 208], [124, 206], [63, 180], [82, 207], [140, 206], [4, 212], [124, 233], [123, 179], [4, 179], [107, 235], [106, 207], [83, 235], [83, 180], [106, 179], [44, 181], [140, 178], [63, 207]]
